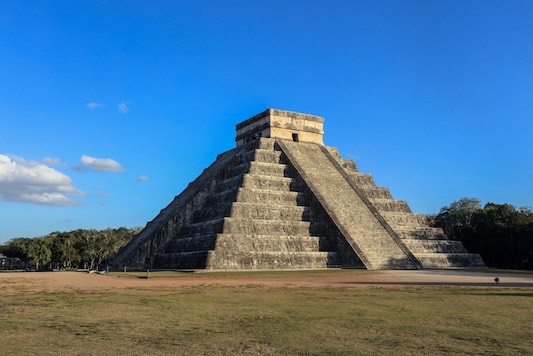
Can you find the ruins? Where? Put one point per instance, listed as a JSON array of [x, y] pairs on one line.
[[281, 199]]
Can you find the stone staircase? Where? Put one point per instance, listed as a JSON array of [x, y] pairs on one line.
[[257, 218], [430, 246], [371, 240]]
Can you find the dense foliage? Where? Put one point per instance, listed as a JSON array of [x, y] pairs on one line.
[[72, 249], [500, 233]]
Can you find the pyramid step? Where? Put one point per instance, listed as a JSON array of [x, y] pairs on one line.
[[268, 169], [434, 246], [270, 197], [182, 260], [362, 179], [239, 243], [349, 165], [224, 196], [450, 260], [269, 183], [261, 155], [389, 205], [202, 228], [399, 219], [266, 143], [377, 200], [273, 260], [391, 262], [429, 233], [268, 227], [269, 212], [376, 192], [191, 243], [238, 169], [212, 210], [229, 183]]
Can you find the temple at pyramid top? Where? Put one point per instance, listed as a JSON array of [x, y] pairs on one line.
[[288, 125]]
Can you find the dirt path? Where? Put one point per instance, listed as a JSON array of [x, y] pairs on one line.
[[62, 281]]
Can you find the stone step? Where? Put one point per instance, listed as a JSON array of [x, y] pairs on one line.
[[266, 143], [228, 195], [182, 260], [261, 155], [388, 205], [270, 197], [238, 169], [202, 228], [450, 260], [268, 169], [376, 192], [239, 243], [270, 183], [349, 165], [273, 260], [191, 243], [266, 227], [229, 183], [329, 184], [434, 246], [391, 262], [375, 247], [362, 179], [429, 233], [263, 211], [212, 210], [399, 219], [377, 200]]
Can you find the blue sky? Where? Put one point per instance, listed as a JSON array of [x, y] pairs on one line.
[[108, 109]]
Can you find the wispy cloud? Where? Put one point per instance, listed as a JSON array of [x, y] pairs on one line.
[[123, 107], [33, 182], [143, 178], [94, 105], [51, 161], [99, 164]]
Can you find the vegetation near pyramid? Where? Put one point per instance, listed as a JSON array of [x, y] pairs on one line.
[[283, 200]]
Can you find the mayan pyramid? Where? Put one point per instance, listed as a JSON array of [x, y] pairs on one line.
[[283, 200]]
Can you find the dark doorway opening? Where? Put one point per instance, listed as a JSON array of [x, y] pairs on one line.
[[295, 137]]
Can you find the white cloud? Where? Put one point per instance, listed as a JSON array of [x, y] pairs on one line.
[[99, 164], [94, 105], [143, 178], [123, 108], [33, 182]]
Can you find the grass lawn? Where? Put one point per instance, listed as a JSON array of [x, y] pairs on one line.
[[262, 320]]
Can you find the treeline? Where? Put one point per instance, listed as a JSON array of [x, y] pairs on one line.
[[69, 250], [501, 233]]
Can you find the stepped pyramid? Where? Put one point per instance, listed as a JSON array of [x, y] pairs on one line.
[[283, 200]]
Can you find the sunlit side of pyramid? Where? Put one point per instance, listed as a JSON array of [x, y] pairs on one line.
[[283, 200]]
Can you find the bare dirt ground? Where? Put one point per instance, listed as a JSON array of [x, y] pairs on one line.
[[64, 281]]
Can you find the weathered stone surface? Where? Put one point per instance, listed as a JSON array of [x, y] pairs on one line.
[[283, 200]]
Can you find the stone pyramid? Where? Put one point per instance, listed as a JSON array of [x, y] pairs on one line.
[[283, 200]]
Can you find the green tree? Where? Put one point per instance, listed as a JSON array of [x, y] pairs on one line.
[[37, 252], [64, 250], [500, 233], [456, 219]]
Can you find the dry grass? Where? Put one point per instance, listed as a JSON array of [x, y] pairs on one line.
[[264, 320]]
